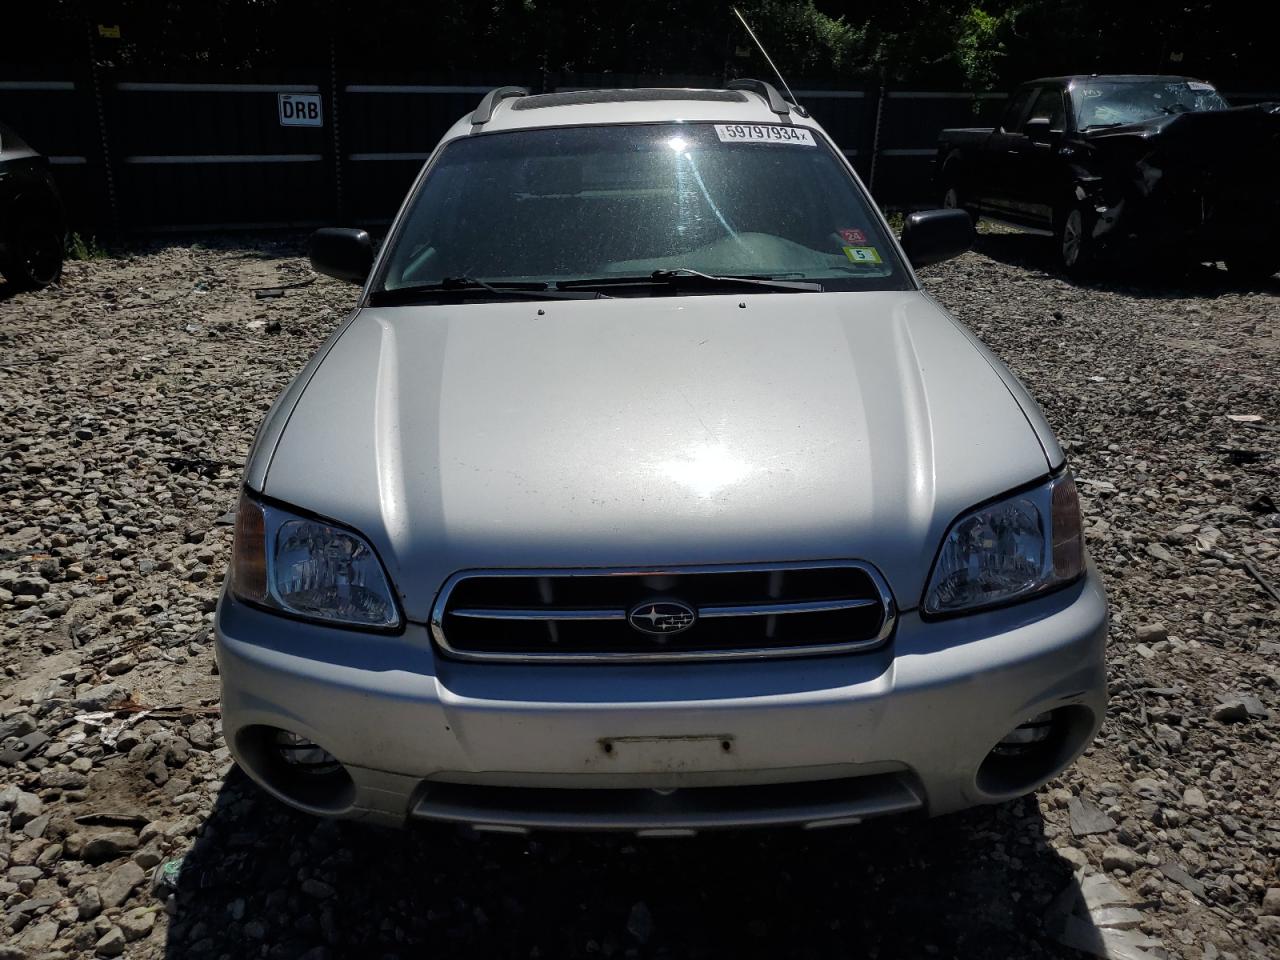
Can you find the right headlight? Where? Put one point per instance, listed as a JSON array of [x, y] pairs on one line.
[[1011, 549], [309, 568]]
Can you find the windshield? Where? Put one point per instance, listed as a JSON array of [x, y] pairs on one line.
[[1107, 104], [578, 203]]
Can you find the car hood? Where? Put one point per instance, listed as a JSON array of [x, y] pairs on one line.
[[1230, 124], [647, 431], [1228, 142]]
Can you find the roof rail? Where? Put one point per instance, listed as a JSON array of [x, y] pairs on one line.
[[484, 112], [777, 102]]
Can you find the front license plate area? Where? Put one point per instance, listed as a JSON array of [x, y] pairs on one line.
[[681, 754]]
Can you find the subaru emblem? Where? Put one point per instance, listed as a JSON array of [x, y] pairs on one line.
[[661, 618]]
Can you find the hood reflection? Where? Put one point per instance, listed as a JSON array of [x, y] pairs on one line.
[[708, 469]]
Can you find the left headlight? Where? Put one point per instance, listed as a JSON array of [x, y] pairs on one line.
[[1009, 550], [309, 568]]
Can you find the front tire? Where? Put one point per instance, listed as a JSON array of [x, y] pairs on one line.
[[1075, 247], [36, 247]]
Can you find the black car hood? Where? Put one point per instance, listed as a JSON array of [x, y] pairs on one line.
[[1238, 128]]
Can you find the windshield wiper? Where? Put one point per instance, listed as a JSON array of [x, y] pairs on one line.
[[470, 286], [684, 277]]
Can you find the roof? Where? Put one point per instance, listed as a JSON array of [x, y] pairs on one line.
[[630, 105], [568, 98], [1114, 78]]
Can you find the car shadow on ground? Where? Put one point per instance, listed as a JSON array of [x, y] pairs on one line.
[[1136, 278], [265, 881]]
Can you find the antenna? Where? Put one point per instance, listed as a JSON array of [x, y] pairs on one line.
[[756, 40]]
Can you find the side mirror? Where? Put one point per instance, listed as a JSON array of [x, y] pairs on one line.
[[1039, 130], [932, 236], [344, 253]]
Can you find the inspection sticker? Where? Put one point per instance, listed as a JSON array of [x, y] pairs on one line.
[[853, 236], [863, 254], [764, 133]]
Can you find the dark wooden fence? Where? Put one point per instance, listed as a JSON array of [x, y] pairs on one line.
[[151, 153]]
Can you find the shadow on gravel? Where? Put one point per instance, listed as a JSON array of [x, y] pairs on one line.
[[264, 881], [1153, 279]]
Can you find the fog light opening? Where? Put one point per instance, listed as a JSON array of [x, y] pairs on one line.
[[1027, 737], [303, 755], [296, 769], [1035, 750]]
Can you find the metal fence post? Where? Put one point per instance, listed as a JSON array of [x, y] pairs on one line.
[[875, 141], [104, 136], [334, 90]]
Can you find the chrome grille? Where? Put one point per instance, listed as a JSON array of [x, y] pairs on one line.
[[765, 610]]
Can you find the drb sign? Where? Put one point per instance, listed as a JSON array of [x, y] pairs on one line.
[[301, 110]]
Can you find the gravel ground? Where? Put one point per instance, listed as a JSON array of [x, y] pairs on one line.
[[128, 398]]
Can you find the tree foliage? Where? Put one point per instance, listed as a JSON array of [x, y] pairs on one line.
[[978, 44]]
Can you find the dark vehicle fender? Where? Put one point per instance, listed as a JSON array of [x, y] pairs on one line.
[[1105, 197], [34, 194], [958, 152], [951, 166]]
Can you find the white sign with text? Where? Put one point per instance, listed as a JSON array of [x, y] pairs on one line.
[[301, 110]]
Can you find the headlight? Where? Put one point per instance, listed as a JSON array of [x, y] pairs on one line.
[[1009, 550], [309, 568]]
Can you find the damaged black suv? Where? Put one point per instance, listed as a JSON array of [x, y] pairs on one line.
[[1110, 163]]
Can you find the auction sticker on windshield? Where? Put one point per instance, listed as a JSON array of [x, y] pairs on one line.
[[763, 133], [863, 254]]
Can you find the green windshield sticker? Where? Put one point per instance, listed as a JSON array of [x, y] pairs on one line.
[[862, 254]]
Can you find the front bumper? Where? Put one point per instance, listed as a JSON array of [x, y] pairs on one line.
[[1187, 223], [667, 747]]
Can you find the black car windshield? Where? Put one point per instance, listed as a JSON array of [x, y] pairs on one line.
[[1101, 103], [568, 204]]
